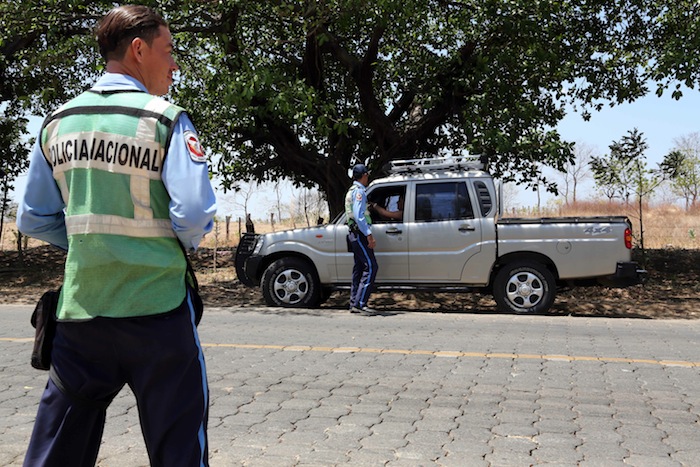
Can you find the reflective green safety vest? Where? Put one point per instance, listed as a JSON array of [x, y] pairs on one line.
[[107, 151], [349, 201]]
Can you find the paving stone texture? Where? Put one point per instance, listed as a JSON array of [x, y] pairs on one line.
[[325, 388]]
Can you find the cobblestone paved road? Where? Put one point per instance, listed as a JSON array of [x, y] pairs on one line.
[[312, 388]]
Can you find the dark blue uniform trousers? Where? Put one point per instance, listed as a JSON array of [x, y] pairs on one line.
[[159, 357], [363, 272]]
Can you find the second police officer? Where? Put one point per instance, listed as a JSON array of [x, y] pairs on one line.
[[361, 241]]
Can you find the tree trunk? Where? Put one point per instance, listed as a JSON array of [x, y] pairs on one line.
[[641, 231], [20, 251], [336, 198], [3, 205]]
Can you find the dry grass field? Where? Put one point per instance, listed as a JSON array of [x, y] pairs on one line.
[[665, 226], [670, 239]]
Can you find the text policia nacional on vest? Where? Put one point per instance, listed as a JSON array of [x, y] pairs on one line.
[[125, 153]]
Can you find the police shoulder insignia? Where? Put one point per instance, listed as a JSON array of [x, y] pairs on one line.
[[358, 196], [193, 147]]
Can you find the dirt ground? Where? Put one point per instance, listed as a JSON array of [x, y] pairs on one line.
[[671, 292]]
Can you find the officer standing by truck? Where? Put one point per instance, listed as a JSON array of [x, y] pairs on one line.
[[361, 241]]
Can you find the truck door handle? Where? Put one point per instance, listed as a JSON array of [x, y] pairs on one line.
[[467, 228], [393, 231]]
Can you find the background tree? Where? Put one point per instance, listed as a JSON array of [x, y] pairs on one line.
[[630, 152], [278, 187], [243, 195], [13, 160], [297, 88], [311, 205], [576, 171], [626, 167], [508, 194], [616, 173], [606, 173], [38, 40], [682, 166]]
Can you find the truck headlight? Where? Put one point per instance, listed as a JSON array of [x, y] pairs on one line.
[[258, 245]]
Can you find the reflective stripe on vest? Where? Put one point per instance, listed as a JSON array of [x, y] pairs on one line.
[[107, 152], [138, 154]]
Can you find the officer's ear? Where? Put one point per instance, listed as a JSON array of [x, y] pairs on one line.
[[136, 47]]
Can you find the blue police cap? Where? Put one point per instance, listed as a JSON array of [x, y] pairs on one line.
[[359, 170]]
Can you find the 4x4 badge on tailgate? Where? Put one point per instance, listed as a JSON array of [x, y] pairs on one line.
[[598, 230]]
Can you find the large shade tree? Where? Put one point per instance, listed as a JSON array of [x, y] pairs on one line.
[[302, 88], [39, 43]]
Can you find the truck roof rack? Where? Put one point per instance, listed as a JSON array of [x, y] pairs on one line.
[[438, 164]]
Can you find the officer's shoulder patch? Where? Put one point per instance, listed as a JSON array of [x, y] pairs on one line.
[[193, 147]]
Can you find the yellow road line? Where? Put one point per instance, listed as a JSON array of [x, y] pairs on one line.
[[457, 354], [435, 353]]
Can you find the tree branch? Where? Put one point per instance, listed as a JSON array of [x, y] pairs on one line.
[[361, 72], [402, 106], [453, 96]]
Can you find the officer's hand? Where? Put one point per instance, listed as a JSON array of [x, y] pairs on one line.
[[370, 241]]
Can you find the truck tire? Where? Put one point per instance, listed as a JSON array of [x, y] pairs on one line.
[[290, 283], [524, 288]]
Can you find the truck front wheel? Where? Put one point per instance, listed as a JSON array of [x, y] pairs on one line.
[[290, 282], [524, 288]]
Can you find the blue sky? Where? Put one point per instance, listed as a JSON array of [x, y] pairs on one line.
[[660, 119]]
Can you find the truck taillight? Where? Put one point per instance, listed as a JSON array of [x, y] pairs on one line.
[[628, 238]]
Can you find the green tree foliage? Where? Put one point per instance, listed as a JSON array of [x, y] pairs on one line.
[[13, 160], [607, 173], [302, 88], [625, 167], [13, 150], [39, 43], [624, 173], [682, 167]]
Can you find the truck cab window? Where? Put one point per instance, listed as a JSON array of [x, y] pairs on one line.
[[387, 204], [442, 201]]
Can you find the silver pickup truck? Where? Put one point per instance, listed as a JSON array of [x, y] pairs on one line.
[[449, 238]]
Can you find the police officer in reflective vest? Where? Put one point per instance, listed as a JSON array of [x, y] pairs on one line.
[[361, 241], [116, 178]]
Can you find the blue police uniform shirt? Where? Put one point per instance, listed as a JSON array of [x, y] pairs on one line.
[[192, 201], [359, 207]]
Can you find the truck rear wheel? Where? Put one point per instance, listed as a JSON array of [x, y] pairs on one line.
[[290, 282], [524, 288]]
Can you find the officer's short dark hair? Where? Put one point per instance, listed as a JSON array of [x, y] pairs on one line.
[[122, 25]]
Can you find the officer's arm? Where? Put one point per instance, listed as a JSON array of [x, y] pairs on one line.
[[359, 206], [395, 215], [186, 177], [40, 212]]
